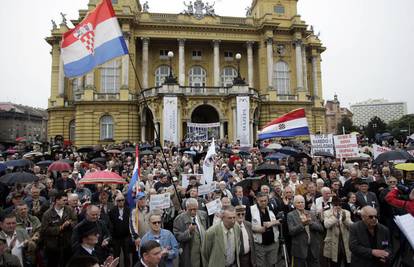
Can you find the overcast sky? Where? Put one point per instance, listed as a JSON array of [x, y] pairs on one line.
[[369, 44]]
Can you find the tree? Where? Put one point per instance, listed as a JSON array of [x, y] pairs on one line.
[[347, 124], [402, 128], [375, 126]]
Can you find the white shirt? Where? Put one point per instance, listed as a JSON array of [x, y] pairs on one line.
[[246, 244], [121, 214], [89, 250], [18, 247], [59, 212]]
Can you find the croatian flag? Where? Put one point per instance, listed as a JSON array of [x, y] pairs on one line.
[[134, 183], [96, 40], [289, 125]]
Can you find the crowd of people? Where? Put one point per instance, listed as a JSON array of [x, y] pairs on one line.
[[300, 211]]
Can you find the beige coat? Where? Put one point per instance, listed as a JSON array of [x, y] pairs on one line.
[[332, 235]]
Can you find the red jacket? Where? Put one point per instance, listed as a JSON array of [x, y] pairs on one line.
[[392, 199]]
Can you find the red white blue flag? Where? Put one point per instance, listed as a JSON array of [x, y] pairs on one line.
[[94, 41], [133, 188], [289, 125]]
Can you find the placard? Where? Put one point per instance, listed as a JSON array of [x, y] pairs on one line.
[[378, 150], [170, 119], [160, 201], [185, 179], [213, 207], [346, 146], [206, 189], [322, 143]]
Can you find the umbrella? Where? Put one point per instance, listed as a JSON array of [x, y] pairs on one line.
[[276, 156], [33, 154], [86, 149], [247, 183], [405, 167], [146, 152], [21, 139], [323, 154], [156, 148], [267, 169], [44, 163], [409, 148], [59, 166], [227, 151], [3, 167], [18, 163], [393, 155], [37, 143], [113, 151], [145, 147], [288, 151], [68, 161], [302, 155], [102, 177], [386, 136], [274, 146], [244, 153], [192, 153], [18, 177], [128, 150], [100, 160], [266, 150]]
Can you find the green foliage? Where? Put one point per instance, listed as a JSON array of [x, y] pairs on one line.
[[347, 124], [375, 125], [403, 127]]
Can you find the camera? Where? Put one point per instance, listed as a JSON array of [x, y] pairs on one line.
[[405, 191]]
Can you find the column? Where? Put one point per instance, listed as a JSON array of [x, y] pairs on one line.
[[269, 43], [305, 71], [250, 63], [315, 76], [61, 79], [222, 130], [125, 65], [234, 124], [80, 83], [145, 43], [299, 65], [251, 133], [181, 62], [143, 137], [216, 63], [90, 80]]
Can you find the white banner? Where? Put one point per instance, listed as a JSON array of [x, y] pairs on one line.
[[203, 125], [206, 189], [213, 207], [378, 150], [346, 146], [186, 179], [170, 119], [160, 202], [322, 143], [243, 120]]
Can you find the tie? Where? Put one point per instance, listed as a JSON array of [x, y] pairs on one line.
[[241, 241], [229, 250], [13, 243]]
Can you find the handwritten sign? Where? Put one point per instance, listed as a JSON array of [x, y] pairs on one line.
[[378, 150], [213, 207], [346, 146], [206, 189], [160, 201], [186, 179], [322, 143]]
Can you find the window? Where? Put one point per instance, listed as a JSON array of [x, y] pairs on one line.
[[281, 78], [164, 54], [114, 2], [197, 77], [110, 77], [72, 128], [76, 86], [196, 54], [228, 75], [228, 55], [107, 127], [279, 9], [161, 73]]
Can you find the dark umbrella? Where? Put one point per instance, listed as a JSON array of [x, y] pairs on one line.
[[288, 151], [59, 166], [145, 147], [99, 160], [393, 155], [86, 149], [156, 148], [266, 150], [323, 154], [302, 155], [44, 163], [247, 183], [244, 153], [276, 156], [68, 161], [3, 167], [18, 163], [227, 151], [146, 152], [129, 149], [267, 169], [18, 177]]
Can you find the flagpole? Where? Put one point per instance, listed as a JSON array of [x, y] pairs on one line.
[[157, 135]]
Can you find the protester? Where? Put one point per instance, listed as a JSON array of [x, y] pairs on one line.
[[7, 259], [247, 253]]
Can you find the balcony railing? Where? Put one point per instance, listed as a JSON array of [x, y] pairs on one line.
[[287, 97], [106, 97], [199, 91]]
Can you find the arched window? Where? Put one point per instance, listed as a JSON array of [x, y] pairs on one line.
[[197, 77], [228, 75], [111, 77], [161, 73], [281, 78], [72, 129], [107, 127]]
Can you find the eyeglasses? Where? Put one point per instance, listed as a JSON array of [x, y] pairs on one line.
[[157, 222], [241, 214], [120, 200], [372, 217]]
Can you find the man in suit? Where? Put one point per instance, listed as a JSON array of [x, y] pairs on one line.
[[7, 259], [151, 255], [88, 239], [189, 229], [238, 198], [305, 230], [222, 243], [247, 251], [65, 184], [369, 241], [366, 198], [121, 236]]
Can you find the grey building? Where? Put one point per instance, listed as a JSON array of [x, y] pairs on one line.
[[386, 111]]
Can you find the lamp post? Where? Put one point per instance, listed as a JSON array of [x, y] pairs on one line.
[[238, 80], [171, 79]]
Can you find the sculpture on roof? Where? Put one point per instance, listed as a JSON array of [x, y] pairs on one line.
[[53, 24], [64, 20], [199, 10], [190, 8], [145, 7], [210, 9], [248, 11]]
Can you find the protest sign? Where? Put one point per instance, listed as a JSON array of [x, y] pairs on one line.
[[322, 143], [206, 189], [213, 207], [378, 150], [160, 202], [186, 179], [346, 146]]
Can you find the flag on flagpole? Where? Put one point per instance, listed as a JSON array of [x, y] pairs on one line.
[[134, 183], [291, 124], [208, 164], [94, 41]]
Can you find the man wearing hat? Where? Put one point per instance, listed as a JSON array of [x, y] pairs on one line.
[[139, 223], [7, 259], [65, 183], [365, 197], [16, 198], [88, 240], [247, 250]]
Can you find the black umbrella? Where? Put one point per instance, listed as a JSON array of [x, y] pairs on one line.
[[288, 151], [145, 147], [244, 153], [86, 149], [129, 149], [227, 151], [323, 154], [18, 177], [393, 155], [44, 163], [267, 169], [247, 183], [156, 148], [302, 155], [99, 160], [18, 163], [266, 150], [146, 152]]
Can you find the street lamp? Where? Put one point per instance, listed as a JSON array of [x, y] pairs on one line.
[[171, 79], [238, 80]]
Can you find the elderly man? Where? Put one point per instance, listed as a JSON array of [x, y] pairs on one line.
[[25, 221], [247, 250], [265, 231], [7, 259], [189, 229], [239, 198], [322, 203], [305, 230], [222, 243], [151, 255], [73, 202], [366, 198], [369, 241]]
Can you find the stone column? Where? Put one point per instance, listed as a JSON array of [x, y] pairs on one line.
[[216, 63], [80, 83], [234, 124], [143, 137], [299, 65], [305, 71], [90, 80], [269, 43], [125, 65], [315, 76], [222, 130], [250, 63], [181, 62], [145, 43], [251, 133], [61, 79]]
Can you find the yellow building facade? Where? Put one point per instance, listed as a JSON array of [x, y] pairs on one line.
[[280, 61]]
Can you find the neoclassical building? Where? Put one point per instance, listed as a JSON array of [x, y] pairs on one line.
[[280, 61]]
